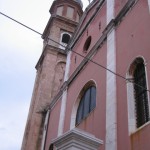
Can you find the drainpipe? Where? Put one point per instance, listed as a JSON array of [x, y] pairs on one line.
[[45, 130]]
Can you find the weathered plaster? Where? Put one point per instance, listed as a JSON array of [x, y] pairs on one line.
[[64, 97]]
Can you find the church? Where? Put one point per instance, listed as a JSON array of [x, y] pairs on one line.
[[92, 84]]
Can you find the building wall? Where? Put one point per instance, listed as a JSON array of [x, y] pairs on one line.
[[92, 30], [88, 14], [57, 27], [52, 128], [140, 139], [43, 92], [119, 4], [127, 39], [132, 36], [50, 76], [95, 122]]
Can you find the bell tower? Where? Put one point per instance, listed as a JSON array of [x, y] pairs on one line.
[[65, 15]]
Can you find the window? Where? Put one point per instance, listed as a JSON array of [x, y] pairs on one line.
[[64, 40], [51, 147], [59, 10], [87, 104], [70, 12], [140, 94], [137, 95], [87, 44]]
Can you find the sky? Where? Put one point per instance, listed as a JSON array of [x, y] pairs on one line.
[[20, 50]]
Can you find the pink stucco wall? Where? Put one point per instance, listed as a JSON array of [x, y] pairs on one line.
[[52, 131], [89, 14], [132, 38], [140, 139], [94, 32], [119, 4], [95, 122]]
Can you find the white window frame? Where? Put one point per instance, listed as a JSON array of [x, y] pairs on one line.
[[131, 99], [64, 44]]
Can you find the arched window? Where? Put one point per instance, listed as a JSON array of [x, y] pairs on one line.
[[87, 104], [138, 103], [141, 97], [64, 40]]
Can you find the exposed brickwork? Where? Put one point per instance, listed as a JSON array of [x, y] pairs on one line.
[[42, 94], [50, 76]]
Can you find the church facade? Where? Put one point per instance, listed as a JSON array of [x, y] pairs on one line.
[[92, 86]]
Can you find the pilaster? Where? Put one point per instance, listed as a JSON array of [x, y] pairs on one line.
[[111, 99]]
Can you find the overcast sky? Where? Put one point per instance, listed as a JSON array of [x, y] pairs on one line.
[[20, 49]]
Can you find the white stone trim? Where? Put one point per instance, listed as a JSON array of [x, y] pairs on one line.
[[147, 84], [64, 97], [62, 113], [110, 10], [77, 140], [131, 105], [73, 115], [131, 100], [45, 129], [111, 99], [68, 62], [149, 5]]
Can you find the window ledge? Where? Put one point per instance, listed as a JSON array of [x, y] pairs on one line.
[[140, 128]]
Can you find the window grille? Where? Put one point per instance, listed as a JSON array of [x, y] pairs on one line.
[[141, 98]]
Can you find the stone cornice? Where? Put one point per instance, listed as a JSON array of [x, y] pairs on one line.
[[49, 49], [59, 18]]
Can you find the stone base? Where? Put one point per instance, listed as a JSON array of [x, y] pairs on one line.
[[77, 140]]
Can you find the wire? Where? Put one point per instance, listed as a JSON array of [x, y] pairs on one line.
[[28, 27], [116, 74]]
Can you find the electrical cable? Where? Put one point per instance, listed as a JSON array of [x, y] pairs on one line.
[[76, 53]]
